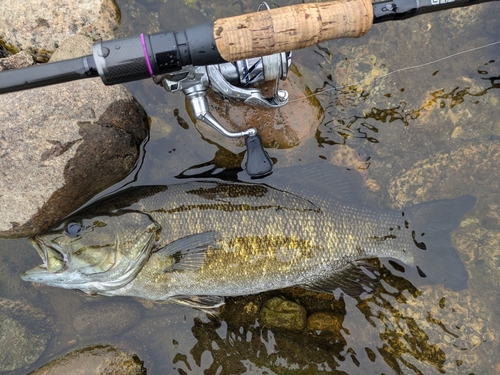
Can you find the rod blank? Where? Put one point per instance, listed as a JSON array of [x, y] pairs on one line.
[[47, 74]]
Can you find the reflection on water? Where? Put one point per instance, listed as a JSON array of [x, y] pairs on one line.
[[444, 116], [399, 329], [338, 129]]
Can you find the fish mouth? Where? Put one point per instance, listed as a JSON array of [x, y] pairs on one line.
[[35, 274], [53, 259]]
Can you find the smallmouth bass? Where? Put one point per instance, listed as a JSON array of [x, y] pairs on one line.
[[196, 242]]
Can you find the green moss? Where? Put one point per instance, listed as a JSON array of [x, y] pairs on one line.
[[9, 47]]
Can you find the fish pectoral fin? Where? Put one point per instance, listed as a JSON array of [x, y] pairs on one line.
[[204, 303], [354, 279], [189, 253]]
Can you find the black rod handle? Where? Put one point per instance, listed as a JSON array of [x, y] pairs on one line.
[[123, 60]]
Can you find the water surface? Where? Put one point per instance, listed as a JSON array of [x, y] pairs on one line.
[[418, 134]]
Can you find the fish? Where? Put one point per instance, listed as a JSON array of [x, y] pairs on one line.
[[196, 242]]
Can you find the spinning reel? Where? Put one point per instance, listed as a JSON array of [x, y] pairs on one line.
[[234, 81]]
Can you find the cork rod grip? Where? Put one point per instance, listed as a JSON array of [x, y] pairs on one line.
[[290, 28]]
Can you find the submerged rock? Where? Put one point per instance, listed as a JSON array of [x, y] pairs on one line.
[[462, 328], [284, 314], [360, 74], [325, 322], [94, 360], [448, 174], [62, 144], [281, 128], [114, 318], [23, 334]]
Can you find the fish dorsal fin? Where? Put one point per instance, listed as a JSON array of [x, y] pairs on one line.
[[205, 303], [354, 279], [188, 253], [320, 179]]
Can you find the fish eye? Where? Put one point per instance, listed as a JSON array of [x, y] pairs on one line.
[[73, 229]]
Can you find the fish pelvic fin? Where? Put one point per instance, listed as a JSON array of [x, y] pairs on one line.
[[434, 256], [207, 304]]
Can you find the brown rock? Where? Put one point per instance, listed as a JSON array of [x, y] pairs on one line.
[[324, 322], [281, 128], [94, 360]]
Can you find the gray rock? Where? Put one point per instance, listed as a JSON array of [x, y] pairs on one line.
[[18, 60], [62, 144], [94, 360], [77, 45], [23, 334], [106, 318], [39, 26]]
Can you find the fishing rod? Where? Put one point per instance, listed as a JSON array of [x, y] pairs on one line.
[[230, 56]]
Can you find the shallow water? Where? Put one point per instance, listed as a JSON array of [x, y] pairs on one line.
[[419, 134]]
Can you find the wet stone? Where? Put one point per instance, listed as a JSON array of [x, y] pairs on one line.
[[105, 318], [459, 21], [24, 334], [324, 323], [94, 360], [135, 17], [183, 16], [360, 73], [461, 328], [280, 128], [283, 314], [449, 174]]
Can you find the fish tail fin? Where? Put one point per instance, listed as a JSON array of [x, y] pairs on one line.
[[435, 258]]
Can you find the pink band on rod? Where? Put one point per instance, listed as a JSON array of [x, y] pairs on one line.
[[146, 56]]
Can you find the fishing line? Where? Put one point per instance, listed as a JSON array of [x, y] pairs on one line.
[[397, 71]]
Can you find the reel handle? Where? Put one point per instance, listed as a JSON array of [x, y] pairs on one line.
[[258, 164]]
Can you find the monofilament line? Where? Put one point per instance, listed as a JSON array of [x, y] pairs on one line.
[[399, 70]]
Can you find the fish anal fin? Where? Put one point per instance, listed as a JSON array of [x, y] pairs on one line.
[[354, 279]]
